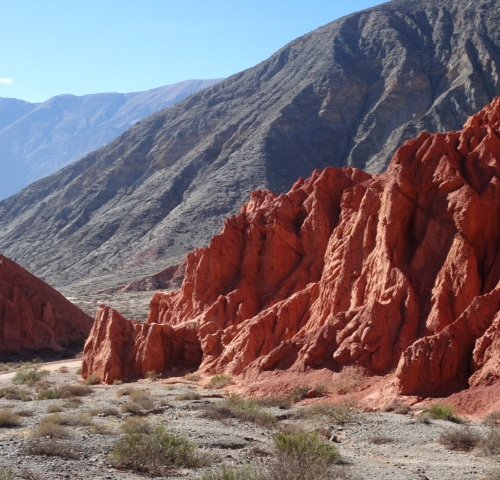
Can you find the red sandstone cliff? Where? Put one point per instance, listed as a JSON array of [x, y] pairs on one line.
[[396, 272], [34, 316]]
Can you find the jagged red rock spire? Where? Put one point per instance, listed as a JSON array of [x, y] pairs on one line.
[[34, 316], [396, 272]]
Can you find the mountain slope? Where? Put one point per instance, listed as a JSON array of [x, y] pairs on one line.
[[37, 139], [345, 94]]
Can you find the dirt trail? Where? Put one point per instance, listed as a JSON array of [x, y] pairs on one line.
[[50, 366]]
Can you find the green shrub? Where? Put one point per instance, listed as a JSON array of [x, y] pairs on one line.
[[155, 453], [29, 375], [302, 456], [301, 444], [442, 411]]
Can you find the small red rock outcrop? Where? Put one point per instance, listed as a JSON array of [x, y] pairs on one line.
[[34, 316], [396, 272], [168, 278]]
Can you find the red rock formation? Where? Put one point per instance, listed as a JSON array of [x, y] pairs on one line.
[[397, 272], [35, 317]]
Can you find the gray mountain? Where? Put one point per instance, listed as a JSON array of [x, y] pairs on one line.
[[346, 94], [37, 139]]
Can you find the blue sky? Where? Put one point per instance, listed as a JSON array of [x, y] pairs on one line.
[[87, 46]]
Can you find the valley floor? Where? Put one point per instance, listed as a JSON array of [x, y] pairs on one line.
[[80, 425]]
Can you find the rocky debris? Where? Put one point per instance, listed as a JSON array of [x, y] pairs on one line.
[[393, 272], [346, 94], [34, 316]]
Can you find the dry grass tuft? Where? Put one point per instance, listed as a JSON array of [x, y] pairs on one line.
[[463, 439], [51, 448], [246, 410], [9, 418], [337, 414], [188, 396], [349, 380], [92, 380], [136, 425], [230, 473], [220, 381], [192, 377], [15, 393]]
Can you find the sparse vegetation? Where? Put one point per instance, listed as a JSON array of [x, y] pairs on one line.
[[51, 448], [493, 419], [228, 473], [246, 410], [12, 392], [463, 438], [337, 414], [192, 377], [349, 380], [302, 444], [6, 474], [155, 453], [153, 375], [442, 411], [9, 418], [55, 408], [380, 439], [220, 381], [138, 402], [490, 444], [92, 380], [29, 375], [302, 456], [188, 396], [299, 393], [398, 407], [136, 425]]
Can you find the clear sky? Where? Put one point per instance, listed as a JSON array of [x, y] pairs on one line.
[[87, 46]]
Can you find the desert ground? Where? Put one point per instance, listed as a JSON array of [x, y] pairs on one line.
[[53, 426]]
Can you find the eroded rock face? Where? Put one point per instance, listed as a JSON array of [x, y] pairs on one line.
[[393, 272], [34, 316]]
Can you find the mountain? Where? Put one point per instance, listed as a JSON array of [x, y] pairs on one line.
[[34, 317], [397, 274], [346, 94], [37, 139]]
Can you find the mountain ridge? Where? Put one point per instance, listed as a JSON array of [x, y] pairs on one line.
[[36, 139], [346, 94]]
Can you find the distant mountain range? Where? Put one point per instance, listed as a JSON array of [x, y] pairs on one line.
[[37, 139], [347, 94]]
